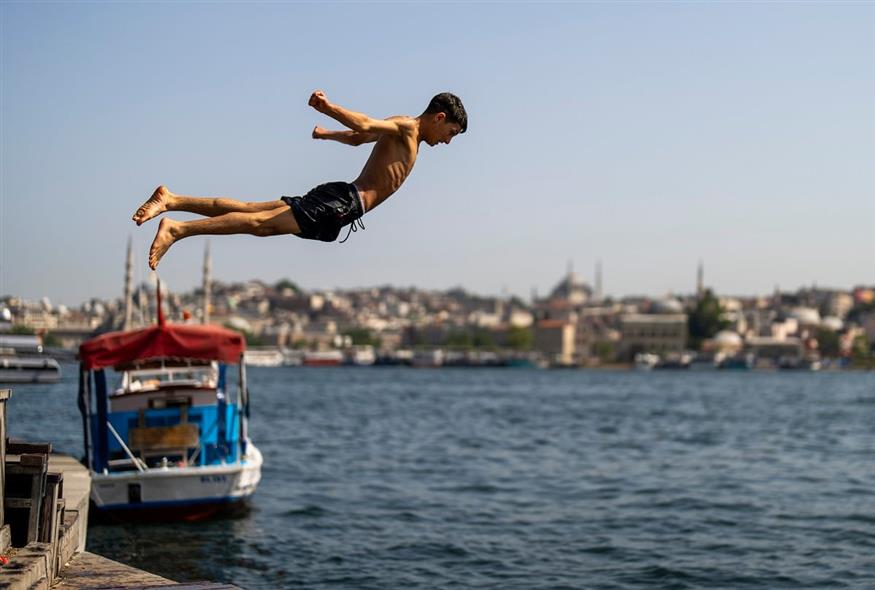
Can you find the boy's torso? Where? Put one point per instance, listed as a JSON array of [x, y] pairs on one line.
[[387, 168]]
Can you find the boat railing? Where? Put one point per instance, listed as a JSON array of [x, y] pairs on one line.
[[137, 462]]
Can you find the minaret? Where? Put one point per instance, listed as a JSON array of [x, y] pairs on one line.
[[129, 287], [598, 281], [208, 283], [700, 280], [142, 304]]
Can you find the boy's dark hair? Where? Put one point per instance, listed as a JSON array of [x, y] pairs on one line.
[[449, 103]]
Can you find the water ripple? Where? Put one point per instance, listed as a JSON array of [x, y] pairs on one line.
[[399, 478]]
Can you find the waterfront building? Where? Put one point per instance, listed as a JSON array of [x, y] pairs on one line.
[[654, 333], [555, 339], [775, 349]]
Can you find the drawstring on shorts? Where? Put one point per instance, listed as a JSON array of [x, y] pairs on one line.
[[353, 228]]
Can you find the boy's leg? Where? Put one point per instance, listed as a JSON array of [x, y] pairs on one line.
[[274, 222], [163, 200]]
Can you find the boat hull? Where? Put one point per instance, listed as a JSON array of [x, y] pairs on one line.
[[176, 493], [29, 376], [14, 369]]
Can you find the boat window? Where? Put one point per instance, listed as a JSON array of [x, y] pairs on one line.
[[153, 379]]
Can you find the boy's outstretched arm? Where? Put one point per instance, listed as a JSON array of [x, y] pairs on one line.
[[359, 121], [347, 137]]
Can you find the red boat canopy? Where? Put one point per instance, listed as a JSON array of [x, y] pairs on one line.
[[210, 343]]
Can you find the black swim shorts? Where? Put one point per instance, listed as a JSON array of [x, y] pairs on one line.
[[323, 211]]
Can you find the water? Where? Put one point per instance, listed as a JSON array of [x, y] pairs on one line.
[[401, 478]]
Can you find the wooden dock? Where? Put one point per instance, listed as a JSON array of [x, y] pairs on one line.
[[92, 572], [44, 500]]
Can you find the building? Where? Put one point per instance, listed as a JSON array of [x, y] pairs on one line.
[[555, 339], [775, 349], [572, 289], [655, 333]]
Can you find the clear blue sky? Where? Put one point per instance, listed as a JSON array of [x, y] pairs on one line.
[[648, 136]]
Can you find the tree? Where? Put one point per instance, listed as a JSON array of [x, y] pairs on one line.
[[284, 284], [861, 354], [605, 351], [482, 339], [251, 339], [519, 338], [705, 320], [51, 340], [459, 339], [828, 343], [362, 337]]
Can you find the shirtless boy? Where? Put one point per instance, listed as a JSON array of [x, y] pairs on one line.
[[322, 212]]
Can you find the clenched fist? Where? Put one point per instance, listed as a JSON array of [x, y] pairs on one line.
[[318, 101]]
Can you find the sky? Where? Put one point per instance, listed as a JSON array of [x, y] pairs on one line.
[[647, 136]]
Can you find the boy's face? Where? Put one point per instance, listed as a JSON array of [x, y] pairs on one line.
[[442, 131]]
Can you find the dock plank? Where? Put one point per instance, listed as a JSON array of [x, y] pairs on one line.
[[88, 571], [77, 480]]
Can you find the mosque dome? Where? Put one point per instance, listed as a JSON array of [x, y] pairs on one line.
[[806, 316], [667, 305], [832, 323], [727, 338], [572, 288]]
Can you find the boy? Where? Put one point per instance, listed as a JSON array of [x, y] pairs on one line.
[[322, 212]]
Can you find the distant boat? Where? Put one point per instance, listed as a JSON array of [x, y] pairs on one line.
[[525, 362], [799, 364], [171, 442], [362, 356], [739, 361], [428, 358], [29, 369], [323, 358], [646, 361], [675, 361], [264, 357], [22, 360]]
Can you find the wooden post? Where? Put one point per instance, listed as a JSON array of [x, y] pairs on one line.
[[5, 394], [29, 477], [49, 525]]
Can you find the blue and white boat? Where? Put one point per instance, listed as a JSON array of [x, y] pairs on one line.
[[171, 441]]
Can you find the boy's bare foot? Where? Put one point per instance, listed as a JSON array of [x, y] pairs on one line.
[[165, 237], [156, 205]]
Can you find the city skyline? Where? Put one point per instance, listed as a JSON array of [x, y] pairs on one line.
[[645, 136], [595, 283]]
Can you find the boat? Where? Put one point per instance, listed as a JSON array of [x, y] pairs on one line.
[[798, 364], [23, 360], [171, 442], [674, 361], [739, 361], [361, 356], [530, 361], [645, 361], [428, 358], [264, 357], [323, 358]]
